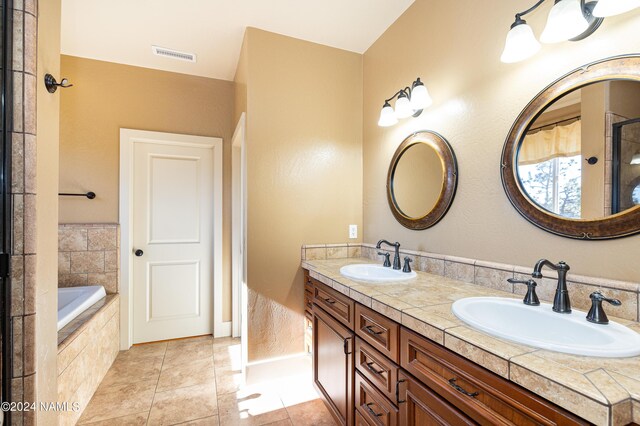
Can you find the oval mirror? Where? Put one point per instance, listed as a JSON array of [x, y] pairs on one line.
[[571, 162], [422, 179]]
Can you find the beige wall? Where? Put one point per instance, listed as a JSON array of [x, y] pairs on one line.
[[106, 97], [304, 124], [48, 106], [456, 52], [240, 80], [624, 98]]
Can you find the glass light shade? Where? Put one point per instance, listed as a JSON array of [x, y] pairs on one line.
[[420, 98], [403, 107], [387, 116], [635, 159], [606, 8], [520, 45], [565, 21]]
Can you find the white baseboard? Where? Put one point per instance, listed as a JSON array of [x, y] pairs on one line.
[[277, 368], [222, 330]]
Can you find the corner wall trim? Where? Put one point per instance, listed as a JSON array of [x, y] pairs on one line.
[[222, 329]]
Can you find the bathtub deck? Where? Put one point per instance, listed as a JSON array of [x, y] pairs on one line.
[[66, 333]]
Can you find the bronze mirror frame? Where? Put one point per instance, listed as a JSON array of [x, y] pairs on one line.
[[449, 182], [622, 224]]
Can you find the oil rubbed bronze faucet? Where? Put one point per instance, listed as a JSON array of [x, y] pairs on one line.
[[396, 257], [561, 302], [596, 313]]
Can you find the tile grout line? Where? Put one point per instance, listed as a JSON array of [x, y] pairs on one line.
[[155, 391]]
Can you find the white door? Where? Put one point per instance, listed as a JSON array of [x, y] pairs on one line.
[[173, 195]]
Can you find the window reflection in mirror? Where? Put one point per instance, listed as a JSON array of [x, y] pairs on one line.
[[552, 157]]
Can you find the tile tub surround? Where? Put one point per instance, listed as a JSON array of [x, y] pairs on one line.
[[601, 390], [88, 254], [88, 346]]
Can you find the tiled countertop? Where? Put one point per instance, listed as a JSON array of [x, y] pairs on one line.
[[605, 391]]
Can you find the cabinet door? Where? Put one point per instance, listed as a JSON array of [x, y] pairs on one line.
[[420, 406], [333, 365]]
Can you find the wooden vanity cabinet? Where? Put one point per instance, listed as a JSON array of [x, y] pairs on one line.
[[372, 371]]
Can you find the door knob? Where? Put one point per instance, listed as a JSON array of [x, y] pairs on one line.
[[138, 252]]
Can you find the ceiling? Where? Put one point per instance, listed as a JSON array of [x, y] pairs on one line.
[[123, 31]]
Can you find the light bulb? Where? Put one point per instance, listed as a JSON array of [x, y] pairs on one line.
[[420, 98], [635, 159], [606, 8], [403, 106], [520, 44], [565, 22], [387, 116]]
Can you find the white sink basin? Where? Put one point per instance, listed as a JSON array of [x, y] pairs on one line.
[[375, 273], [540, 327]]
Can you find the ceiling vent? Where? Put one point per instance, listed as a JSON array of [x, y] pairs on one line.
[[174, 54]]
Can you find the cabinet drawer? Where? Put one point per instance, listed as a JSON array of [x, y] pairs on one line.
[[334, 302], [373, 406], [360, 421], [420, 406], [379, 331], [482, 395], [381, 372]]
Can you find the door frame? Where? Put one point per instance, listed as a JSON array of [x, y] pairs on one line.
[[238, 228], [128, 139]]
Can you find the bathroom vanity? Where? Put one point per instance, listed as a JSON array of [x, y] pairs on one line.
[[380, 361]]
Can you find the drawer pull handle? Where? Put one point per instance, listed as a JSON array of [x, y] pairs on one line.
[[370, 410], [398, 400], [346, 346], [453, 384], [330, 301], [369, 329], [373, 370]]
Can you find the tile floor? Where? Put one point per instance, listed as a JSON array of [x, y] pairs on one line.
[[197, 382]]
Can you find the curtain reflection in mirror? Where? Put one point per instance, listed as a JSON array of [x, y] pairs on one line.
[[550, 169]]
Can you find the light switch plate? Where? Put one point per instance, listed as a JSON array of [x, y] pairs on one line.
[[353, 231]]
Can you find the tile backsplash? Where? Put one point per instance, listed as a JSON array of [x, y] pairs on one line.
[[88, 254], [495, 275]]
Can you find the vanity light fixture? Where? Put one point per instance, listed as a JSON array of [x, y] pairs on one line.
[[635, 159], [568, 20], [410, 102]]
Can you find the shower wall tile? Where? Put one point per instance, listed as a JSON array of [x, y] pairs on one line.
[[30, 43], [18, 38], [30, 6], [88, 255], [23, 190]]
